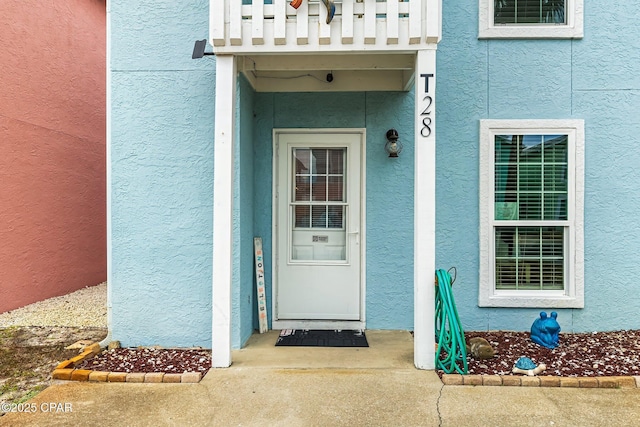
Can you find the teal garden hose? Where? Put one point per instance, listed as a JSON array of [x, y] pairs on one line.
[[451, 354]]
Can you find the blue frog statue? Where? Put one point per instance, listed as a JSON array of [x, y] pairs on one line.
[[545, 330]]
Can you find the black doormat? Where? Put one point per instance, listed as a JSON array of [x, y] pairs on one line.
[[321, 338]]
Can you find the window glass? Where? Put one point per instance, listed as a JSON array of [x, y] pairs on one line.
[[513, 12], [531, 19], [319, 192], [529, 258], [302, 216], [530, 177]]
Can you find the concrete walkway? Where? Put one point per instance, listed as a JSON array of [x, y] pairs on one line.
[[285, 386]]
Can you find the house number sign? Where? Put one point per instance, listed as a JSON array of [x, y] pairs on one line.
[[427, 103]]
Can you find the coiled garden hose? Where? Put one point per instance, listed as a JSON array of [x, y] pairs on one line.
[[451, 353]]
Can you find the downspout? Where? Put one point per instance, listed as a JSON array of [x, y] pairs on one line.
[[105, 342]]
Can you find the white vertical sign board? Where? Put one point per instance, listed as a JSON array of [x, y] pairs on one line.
[[424, 209], [260, 287]]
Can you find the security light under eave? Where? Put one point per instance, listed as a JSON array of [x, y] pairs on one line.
[[198, 49]]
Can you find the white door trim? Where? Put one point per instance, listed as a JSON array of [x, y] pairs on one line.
[[319, 324]]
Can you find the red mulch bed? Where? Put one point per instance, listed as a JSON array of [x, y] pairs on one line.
[[577, 355], [169, 361]]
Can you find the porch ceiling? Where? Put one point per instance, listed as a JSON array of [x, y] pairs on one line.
[[384, 71]]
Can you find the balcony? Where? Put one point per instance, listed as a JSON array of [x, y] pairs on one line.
[[369, 44], [357, 25], [369, 25]]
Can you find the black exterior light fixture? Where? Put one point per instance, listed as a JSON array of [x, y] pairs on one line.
[[198, 49], [393, 146]]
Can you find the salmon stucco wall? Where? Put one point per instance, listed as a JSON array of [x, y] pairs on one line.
[[52, 149]]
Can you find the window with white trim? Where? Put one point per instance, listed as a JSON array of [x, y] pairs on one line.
[[525, 19], [531, 213]]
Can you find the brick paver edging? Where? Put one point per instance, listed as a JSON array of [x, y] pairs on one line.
[[67, 371], [541, 381]]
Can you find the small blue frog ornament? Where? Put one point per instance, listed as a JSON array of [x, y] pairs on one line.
[[545, 330]]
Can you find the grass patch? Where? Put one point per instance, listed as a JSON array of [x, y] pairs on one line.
[[26, 368], [8, 387], [28, 355], [31, 393], [8, 333]]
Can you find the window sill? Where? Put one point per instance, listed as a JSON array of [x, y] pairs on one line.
[[530, 32], [530, 301]]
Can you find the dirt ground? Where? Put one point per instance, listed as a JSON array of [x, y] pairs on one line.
[[28, 355]]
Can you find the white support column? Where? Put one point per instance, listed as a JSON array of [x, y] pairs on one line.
[[424, 210], [226, 75]]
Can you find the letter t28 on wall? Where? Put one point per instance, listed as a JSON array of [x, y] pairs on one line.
[[426, 119]]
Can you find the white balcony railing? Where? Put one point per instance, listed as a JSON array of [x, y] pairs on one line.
[[369, 25]]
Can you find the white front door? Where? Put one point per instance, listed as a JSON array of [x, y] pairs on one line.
[[318, 226]]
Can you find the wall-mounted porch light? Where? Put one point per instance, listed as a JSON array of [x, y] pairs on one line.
[[198, 49], [393, 146]]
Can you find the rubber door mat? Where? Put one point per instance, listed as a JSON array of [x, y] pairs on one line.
[[322, 338]]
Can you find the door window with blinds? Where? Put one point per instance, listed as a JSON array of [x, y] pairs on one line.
[[319, 204], [531, 201], [531, 18]]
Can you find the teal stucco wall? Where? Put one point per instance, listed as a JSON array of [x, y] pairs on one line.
[[590, 79], [161, 183], [389, 187], [161, 170]]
